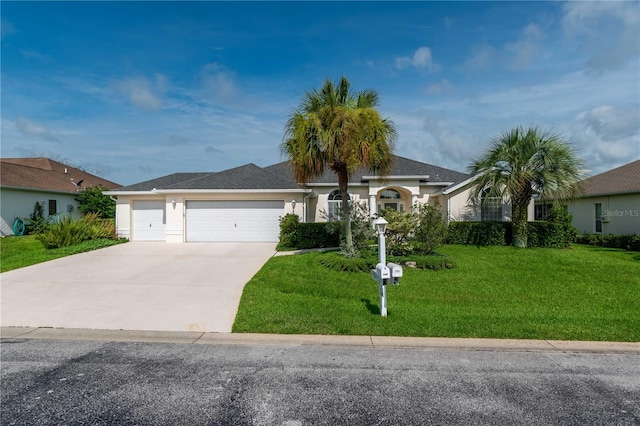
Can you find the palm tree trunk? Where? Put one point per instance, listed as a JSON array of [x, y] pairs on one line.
[[343, 182], [519, 219]]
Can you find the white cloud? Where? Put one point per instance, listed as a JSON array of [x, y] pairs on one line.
[[608, 135], [218, 83], [522, 53], [608, 31], [142, 93], [30, 128], [518, 55], [443, 87], [421, 59], [483, 57]]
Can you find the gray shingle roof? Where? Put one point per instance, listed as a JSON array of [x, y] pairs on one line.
[[164, 181], [248, 176], [401, 167], [621, 180], [280, 176]]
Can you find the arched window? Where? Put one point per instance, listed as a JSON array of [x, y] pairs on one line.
[[490, 208], [390, 199], [390, 194], [334, 204]]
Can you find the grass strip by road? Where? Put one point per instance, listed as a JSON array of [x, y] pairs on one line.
[[18, 252], [584, 293]]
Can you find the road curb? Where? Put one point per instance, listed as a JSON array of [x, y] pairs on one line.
[[191, 337]]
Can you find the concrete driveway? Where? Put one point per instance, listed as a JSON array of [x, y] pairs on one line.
[[135, 286]]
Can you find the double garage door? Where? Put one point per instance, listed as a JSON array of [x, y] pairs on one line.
[[243, 221], [210, 221]]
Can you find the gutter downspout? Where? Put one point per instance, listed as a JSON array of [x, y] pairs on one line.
[[448, 210]]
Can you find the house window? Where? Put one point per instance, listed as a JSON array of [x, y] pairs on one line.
[[542, 210], [598, 218], [334, 204], [53, 207], [490, 208], [394, 198]]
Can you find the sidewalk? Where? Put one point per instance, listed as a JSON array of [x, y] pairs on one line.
[[192, 337]]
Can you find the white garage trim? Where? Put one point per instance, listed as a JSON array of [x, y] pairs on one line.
[[149, 221], [240, 221]]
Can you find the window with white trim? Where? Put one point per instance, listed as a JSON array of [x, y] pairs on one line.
[[391, 199], [334, 205], [490, 208]]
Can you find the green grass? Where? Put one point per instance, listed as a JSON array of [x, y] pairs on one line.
[[18, 252], [585, 293]]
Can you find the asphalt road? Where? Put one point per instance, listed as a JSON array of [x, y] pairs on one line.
[[47, 382]]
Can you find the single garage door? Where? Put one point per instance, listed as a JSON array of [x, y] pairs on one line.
[[249, 221], [149, 220]]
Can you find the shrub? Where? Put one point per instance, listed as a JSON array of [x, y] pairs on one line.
[[361, 230], [338, 262], [67, 232], [92, 200], [625, 242], [478, 233], [36, 223], [400, 231], [431, 230], [295, 235], [434, 262]]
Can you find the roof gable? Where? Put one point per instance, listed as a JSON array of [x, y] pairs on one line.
[[621, 180], [48, 175]]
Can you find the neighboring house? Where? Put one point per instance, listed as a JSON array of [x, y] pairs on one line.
[[609, 203], [25, 181], [245, 203]]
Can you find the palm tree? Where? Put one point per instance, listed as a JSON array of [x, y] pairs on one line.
[[523, 162], [340, 130]]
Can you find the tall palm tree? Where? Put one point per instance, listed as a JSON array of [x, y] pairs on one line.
[[340, 130], [522, 162]]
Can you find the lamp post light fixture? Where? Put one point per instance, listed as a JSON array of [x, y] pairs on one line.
[[380, 226], [293, 206]]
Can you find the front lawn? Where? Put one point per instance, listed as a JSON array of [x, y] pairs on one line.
[[18, 252], [584, 293]]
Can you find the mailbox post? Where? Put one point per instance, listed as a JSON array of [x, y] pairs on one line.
[[384, 273]]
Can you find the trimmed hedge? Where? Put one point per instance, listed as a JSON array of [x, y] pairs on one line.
[[296, 235], [479, 233], [539, 234], [625, 242]]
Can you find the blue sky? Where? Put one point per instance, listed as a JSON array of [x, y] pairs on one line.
[[136, 90]]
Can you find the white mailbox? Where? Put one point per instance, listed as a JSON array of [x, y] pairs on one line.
[[396, 273], [383, 271], [396, 270]]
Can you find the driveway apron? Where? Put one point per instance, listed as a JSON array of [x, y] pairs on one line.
[[135, 286]]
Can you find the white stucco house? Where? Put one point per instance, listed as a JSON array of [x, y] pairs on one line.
[[25, 181], [245, 203], [609, 203]]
